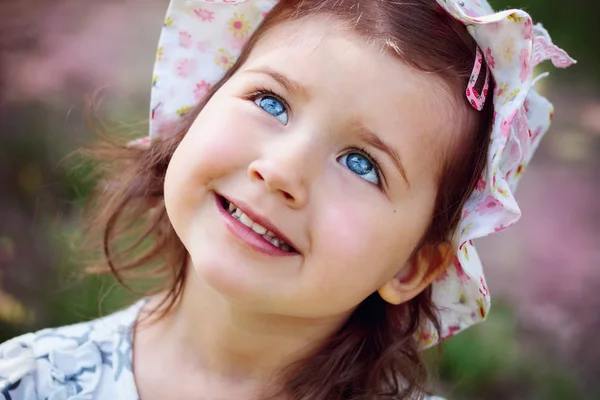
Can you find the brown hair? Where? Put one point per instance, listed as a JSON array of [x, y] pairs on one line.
[[375, 354]]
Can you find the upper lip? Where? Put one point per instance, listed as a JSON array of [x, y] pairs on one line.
[[261, 220]]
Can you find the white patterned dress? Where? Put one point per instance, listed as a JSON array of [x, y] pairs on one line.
[[90, 360]]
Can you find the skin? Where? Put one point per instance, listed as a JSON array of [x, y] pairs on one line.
[[245, 314]]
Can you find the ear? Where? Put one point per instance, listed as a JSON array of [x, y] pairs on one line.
[[423, 269]]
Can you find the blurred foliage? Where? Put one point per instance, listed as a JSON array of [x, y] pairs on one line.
[[490, 362], [43, 188]]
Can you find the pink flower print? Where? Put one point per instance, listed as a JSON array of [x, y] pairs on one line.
[[502, 87], [442, 276], [452, 330], [460, 272], [525, 60], [500, 228], [466, 214], [512, 116], [480, 185], [535, 133], [488, 206], [236, 43], [490, 58], [471, 12], [522, 127], [514, 149], [505, 128], [204, 15], [483, 289], [185, 39], [528, 29], [186, 67], [239, 25], [224, 59], [201, 90], [494, 26], [481, 308], [520, 170], [507, 124], [202, 46], [426, 339]]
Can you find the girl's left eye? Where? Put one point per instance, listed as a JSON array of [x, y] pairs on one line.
[[273, 106], [362, 166]]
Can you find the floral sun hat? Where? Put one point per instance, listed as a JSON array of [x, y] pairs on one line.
[[202, 39]]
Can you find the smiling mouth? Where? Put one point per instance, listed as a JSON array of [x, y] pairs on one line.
[[260, 230]]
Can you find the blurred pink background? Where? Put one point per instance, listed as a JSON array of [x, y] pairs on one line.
[[55, 54]]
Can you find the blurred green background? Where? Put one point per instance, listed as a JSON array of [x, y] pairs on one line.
[[540, 341]]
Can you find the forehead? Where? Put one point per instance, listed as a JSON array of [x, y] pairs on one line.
[[359, 80]]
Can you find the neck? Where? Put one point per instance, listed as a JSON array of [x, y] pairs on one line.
[[228, 342]]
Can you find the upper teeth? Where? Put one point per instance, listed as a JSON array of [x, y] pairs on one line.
[[261, 230]]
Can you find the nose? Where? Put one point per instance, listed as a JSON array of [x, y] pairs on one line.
[[283, 175]]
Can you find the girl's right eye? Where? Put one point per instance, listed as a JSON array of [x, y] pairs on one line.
[[362, 165], [273, 106]]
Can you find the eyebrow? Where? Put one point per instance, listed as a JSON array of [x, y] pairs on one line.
[[288, 84], [375, 141]]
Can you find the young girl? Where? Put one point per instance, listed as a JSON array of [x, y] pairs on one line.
[[314, 177]]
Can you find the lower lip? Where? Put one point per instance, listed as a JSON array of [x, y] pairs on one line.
[[247, 235]]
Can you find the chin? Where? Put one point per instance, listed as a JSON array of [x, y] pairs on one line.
[[232, 279]]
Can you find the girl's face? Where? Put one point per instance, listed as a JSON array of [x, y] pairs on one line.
[[333, 146]]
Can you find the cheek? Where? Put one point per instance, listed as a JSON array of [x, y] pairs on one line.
[[364, 240], [361, 247], [214, 145], [210, 150]]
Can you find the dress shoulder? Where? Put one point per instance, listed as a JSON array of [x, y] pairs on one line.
[[70, 362]]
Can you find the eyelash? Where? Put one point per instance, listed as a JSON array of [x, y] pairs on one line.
[[264, 91]]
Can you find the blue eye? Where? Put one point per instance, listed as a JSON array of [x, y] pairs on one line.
[[362, 166], [273, 106]]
